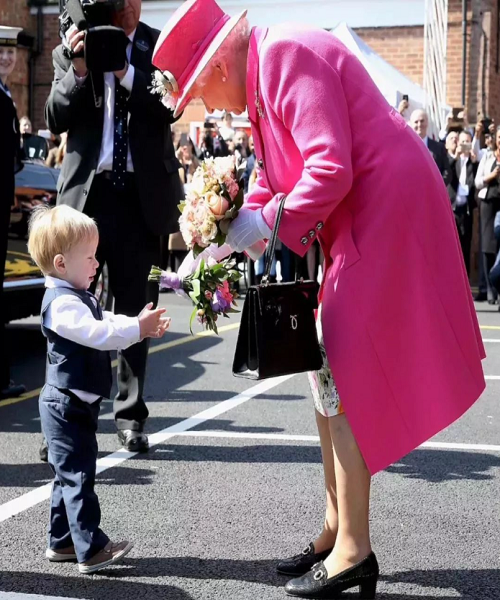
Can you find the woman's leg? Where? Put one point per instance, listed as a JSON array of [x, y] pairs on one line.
[[326, 539], [353, 499]]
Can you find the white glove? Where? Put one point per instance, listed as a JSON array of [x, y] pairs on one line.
[[213, 254], [248, 227]]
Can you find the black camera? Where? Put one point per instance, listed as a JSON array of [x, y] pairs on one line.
[[104, 46]]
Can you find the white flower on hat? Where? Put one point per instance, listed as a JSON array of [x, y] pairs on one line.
[[165, 84]]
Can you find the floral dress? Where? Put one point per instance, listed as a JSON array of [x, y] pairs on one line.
[[325, 394]]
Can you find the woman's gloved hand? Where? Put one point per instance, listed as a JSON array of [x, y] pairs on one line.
[[248, 228], [213, 254]]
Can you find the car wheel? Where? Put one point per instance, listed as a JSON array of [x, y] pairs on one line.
[[103, 291]]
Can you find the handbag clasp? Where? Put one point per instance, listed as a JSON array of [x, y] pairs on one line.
[[294, 321]]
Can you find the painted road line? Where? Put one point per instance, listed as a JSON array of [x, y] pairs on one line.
[[152, 350], [492, 327], [315, 438], [34, 497], [491, 341], [16, 596], [491, 377]]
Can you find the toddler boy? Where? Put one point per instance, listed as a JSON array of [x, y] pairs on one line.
[[63, 243]]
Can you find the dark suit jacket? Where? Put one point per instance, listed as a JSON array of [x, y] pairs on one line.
[[440, 156], [455, 177], [10, 149], [80, 112]]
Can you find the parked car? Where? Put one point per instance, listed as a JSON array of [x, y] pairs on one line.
[[24, 284]]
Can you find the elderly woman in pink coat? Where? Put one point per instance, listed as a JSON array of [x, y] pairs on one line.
[[403, 348]]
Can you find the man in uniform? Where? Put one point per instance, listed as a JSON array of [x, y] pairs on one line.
[[10, 144]]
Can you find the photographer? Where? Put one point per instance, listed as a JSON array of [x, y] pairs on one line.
[[120, 169], [212, 143], [461, 189]]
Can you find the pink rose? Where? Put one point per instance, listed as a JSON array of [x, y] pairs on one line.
[[217, 204], [208, 295]]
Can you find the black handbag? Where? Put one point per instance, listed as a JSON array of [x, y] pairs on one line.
[[277, 333]]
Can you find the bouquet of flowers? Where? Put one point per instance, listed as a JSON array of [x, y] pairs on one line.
[[213, 200], [209, 287]]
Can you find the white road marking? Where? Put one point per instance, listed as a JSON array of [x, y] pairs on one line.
[[492, 377], [315, 438], [16, 596], [34, 497], [492, 340]]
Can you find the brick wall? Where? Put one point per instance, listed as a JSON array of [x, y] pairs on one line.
[[44, 71], [402, 47]]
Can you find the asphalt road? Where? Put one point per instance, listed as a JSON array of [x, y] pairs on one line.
[[234, 481]]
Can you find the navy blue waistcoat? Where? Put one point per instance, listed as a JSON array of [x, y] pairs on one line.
[[71, 366]]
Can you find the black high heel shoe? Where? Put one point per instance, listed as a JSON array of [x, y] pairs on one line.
[[303, 562], [316, 584]]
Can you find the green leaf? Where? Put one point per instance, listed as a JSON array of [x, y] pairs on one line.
[[238, 201], [193, 315], [196, 289], [181, 206], [201, 266], [197, 250], [224, 225]]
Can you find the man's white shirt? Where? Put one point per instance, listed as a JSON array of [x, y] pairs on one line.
[[105, 162], [69, 317], [463, 188]]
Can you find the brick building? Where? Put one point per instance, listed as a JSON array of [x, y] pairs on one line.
[[395, 30]]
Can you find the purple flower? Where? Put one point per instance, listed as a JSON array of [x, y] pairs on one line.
[[171, 281], [219, 303]]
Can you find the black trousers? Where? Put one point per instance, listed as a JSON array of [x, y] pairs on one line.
[[5, 206], [464, 224], [129, 249]]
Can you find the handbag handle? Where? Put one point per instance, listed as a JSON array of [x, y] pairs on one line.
[[271, 247]]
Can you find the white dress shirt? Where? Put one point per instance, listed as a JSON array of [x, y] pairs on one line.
[[105, 162], [73, 320], [463, 188]]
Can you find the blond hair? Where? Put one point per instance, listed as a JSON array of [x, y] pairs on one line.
[[54, 231]]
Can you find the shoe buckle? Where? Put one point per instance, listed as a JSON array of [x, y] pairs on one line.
[[306, 550], [318, 575]]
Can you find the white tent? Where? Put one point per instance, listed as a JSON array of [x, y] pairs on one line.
[[391, 82]]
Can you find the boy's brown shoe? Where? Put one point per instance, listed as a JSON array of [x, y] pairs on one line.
[[61, 554], [110, 554]]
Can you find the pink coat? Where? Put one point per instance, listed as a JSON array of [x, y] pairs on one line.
[[399, 324]]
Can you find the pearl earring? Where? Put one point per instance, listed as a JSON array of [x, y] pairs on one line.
[[224, 79]]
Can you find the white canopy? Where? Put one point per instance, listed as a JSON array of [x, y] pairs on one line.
[[391, 82]]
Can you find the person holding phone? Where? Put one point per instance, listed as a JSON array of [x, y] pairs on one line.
[[212, 143], [461, 188]]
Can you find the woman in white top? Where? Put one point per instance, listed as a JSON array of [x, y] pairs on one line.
[[487, 183]]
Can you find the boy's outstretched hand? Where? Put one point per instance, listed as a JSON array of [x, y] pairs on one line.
[[151, 322]]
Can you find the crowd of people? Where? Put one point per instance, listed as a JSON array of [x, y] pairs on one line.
[[469, 162]]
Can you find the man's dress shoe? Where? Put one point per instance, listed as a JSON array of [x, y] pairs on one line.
[[133, 441], [12, 391]]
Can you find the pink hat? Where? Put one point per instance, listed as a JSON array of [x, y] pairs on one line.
[[186, 45]]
